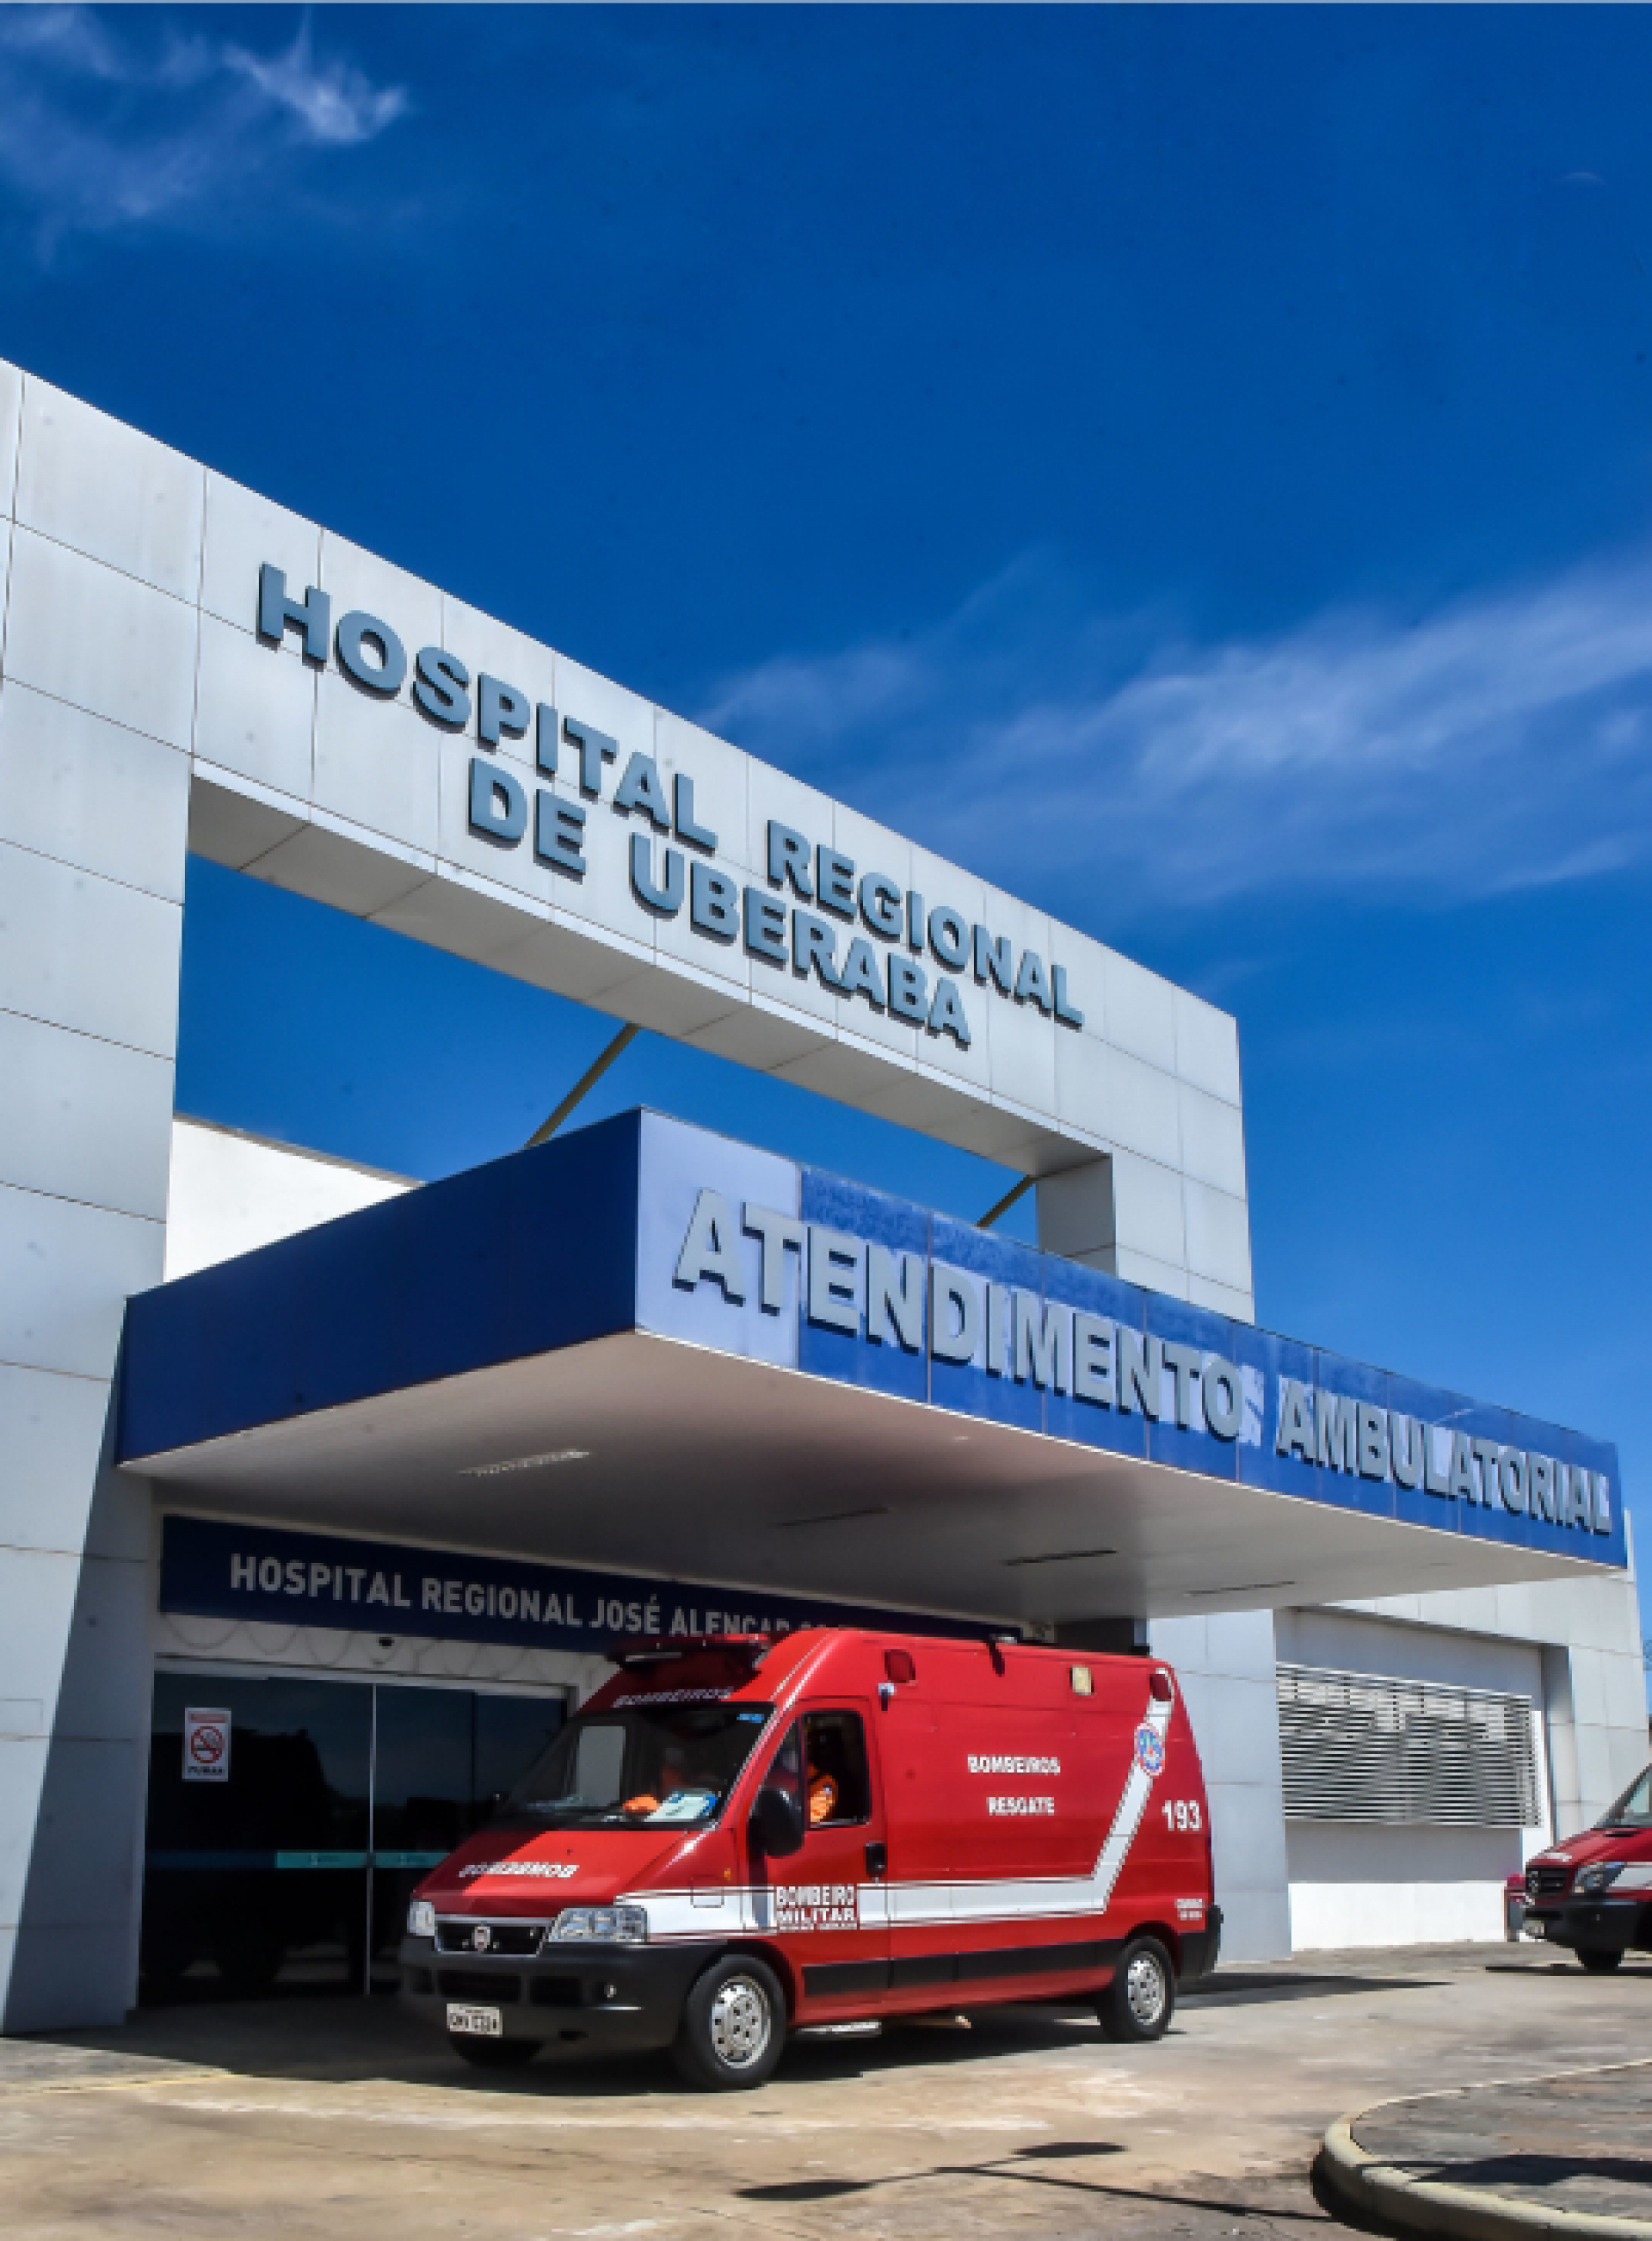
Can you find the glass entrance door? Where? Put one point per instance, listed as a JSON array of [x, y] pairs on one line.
[[290, 1818], [442, 1757]]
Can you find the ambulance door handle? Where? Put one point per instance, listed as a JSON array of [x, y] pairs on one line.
[[877, 1859]]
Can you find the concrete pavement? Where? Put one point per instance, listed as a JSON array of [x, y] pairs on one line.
[[334, 2121], [1570, 2155]]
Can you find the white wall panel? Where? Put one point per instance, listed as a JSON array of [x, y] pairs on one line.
[[83, 1118], [52, 1433], [1207, 1046], [1149, 1210], [37, 1599], [254, 715], [85, 954], [100, 641], [65, 1272], [1142, 1112], [23, 1761], [92, 793], [1212, 1140], [1141, 1013], [356, 580], [242, 532], [86, 481], [485, 645], [1226, 1299], [377, 764], [718, 775], [1023, 1052], [1218, 1234], [231, 1193]]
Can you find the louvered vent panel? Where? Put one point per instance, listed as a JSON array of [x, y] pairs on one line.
[[1356, 1747]]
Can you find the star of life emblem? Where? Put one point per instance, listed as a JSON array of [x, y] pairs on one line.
[[1150, 1749]]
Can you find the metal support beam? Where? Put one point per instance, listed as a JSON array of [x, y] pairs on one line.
[[586, 1082], [1018, 1190]]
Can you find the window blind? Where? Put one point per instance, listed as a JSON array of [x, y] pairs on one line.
[[1358, 1747]]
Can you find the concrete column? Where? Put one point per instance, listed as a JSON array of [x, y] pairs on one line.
[[1225, 1665], [101, 535], [1153, 1226]]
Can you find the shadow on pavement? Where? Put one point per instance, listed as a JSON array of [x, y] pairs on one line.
[[1020, 2165], [1246, 1986], [350, 2040], [1534, 2170]]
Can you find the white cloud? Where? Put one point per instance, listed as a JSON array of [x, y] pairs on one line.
[[1502, 742], [333, 102], [103, 128]]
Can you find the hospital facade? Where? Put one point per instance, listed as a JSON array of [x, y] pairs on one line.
[[322, 1493]]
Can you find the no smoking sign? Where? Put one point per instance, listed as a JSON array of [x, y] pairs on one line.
[[206, 1746]]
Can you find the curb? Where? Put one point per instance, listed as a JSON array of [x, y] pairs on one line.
[[1380, 2191]]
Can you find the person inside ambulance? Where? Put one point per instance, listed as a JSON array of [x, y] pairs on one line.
[[672, 1776], [834, 1794]]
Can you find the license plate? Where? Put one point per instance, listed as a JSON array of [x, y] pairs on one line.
[[479, 2023]]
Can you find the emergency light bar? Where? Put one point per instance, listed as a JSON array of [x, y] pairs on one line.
[[659, 1649]]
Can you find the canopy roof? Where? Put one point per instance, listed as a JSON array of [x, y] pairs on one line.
[[568, 1353]]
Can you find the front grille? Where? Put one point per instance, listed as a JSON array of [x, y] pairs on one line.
[[492, 1991], [1548, 1882], [517, 1940]]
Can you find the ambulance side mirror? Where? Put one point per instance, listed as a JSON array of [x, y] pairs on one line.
[[776, 1823]]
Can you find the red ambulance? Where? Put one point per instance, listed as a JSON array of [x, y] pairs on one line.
[[738, 1837], [1593, 1892]]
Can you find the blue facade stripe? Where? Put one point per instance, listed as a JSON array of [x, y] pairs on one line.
[[515, 1258], [553, 1248]]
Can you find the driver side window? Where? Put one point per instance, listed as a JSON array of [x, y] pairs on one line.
[[838, 1787]]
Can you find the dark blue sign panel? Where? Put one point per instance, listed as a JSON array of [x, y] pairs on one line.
[[211, 1569]]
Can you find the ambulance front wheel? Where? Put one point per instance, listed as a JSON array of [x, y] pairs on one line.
[[733, 2026], [1139, 2002], [1599, 1959]]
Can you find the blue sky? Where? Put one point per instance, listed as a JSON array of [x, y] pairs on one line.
[[1195, 466]]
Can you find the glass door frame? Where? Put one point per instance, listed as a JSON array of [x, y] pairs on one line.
[[208, 1668]]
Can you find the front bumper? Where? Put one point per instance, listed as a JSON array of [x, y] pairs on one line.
[[1624, 1924], [597, 1997], [1200, 1949]]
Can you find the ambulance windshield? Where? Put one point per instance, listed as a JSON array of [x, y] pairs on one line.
[[1634, 1809], [640, 1765]]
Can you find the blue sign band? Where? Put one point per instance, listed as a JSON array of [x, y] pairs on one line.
[[211, 1569]]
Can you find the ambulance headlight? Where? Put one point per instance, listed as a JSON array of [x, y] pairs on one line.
[[1601, 1876], [421, 1919], [602, 1925]]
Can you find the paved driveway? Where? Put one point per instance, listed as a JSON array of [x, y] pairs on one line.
[[332, 2121]]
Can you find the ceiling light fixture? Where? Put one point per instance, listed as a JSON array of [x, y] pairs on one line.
[[1246, 1588], [1062, 1556], [527, 1463]]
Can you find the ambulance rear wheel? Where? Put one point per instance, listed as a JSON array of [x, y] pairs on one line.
[[733, 2026], [1139, 2002]]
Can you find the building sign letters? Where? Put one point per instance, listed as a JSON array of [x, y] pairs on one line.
[[816, 897]]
